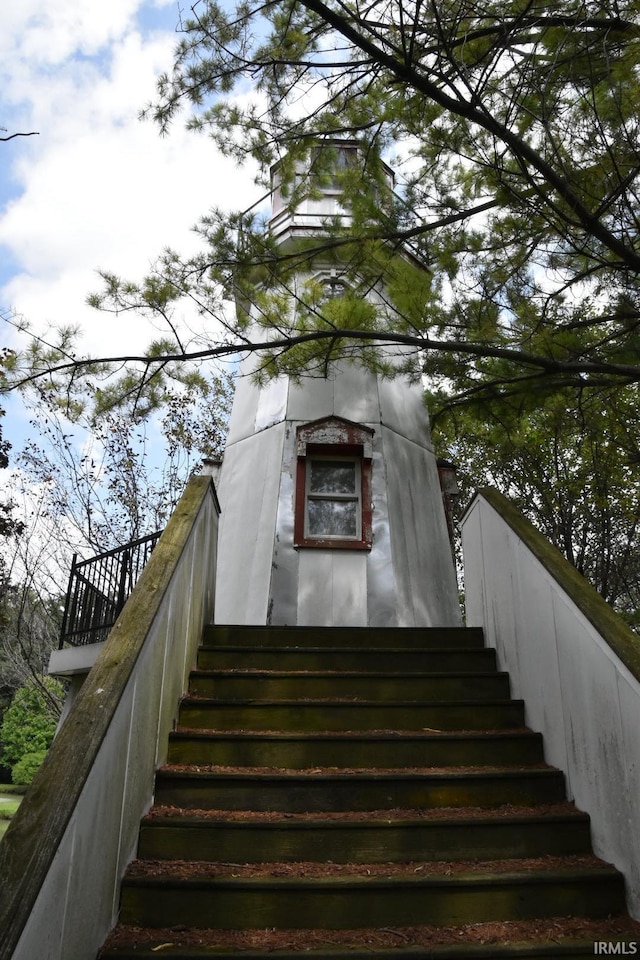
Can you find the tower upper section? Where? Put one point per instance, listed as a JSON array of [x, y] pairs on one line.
[[301, 204]]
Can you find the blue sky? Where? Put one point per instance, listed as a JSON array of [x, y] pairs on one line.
[[97, 188]]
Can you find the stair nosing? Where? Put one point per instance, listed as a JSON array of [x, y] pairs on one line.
[[225, 672], [183, 819], [355, 735], [378, 775], [307, 701], [593, 874]]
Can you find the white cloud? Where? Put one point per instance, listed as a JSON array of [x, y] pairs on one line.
[[49, 33], [98, 188]]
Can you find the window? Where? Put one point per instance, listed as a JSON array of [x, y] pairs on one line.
[[334, 494], [333, 487]]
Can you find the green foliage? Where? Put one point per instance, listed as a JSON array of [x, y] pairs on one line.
[[26, 768], [28, 727], [572, 472], [515, 129], [519, 186]]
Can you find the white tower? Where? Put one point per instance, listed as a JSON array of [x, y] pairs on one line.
[[332, 511]]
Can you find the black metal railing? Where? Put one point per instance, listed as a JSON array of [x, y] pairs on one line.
[[98, 590]]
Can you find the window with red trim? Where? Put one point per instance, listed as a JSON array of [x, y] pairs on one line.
[[333, 486]]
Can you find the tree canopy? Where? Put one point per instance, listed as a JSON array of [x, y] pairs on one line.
[[573, 472], [514, 127]]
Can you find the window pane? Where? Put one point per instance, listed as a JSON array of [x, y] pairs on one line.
[[333, 518], [332, 476]]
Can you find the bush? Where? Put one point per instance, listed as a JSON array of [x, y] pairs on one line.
[[28, 727], [26, 768]]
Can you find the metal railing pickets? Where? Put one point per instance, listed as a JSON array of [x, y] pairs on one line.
[[98, 590]]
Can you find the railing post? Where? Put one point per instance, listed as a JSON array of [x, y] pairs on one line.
[[122, 587], [67, 602]]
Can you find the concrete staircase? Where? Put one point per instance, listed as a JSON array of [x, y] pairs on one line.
[[360, 792]]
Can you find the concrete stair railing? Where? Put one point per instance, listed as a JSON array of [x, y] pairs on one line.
[[63, 856], [573, 661]]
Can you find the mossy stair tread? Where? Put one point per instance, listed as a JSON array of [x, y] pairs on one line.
[[264, 674], [366, 659], [318, 790], [366, 840], [346, 637], [350, 714], [321, 775], [333, 703], [355, 749], [178, 818], [557, 937], [358, 736], [373, 686], [351, 898], [478, 877], [340, 678], [542, 950], [246, 650], [579, 950]]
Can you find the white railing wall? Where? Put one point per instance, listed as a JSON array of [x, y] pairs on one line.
[[63, 856], [574, 662]]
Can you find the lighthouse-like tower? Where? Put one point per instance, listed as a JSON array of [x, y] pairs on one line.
[[332, 511]]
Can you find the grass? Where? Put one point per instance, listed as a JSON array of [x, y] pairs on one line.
[[8, 807], [10, 800]]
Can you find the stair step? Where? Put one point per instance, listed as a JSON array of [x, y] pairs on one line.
[[531, 939], [325, 715], [322, 779], [278, 685], [347, 901], [533, 950], [311, 791], [355, 750], [363, 841], [388, 660], [348, 638]]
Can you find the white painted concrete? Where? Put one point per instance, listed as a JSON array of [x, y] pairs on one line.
[[73, 660], [577, 691]]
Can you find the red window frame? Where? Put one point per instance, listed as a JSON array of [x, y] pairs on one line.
[[338, 451]]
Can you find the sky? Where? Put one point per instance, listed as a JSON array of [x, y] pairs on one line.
[[97, 188]]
